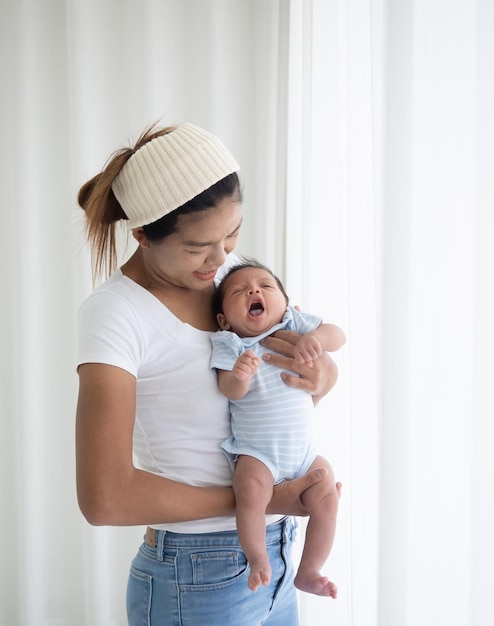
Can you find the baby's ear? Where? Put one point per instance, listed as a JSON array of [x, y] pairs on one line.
[[222, 322]]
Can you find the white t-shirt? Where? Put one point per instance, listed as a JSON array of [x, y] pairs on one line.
[[181, 416]]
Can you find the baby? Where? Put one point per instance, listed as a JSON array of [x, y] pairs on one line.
[[272, 424]]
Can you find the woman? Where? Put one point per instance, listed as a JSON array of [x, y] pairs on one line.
[[146, 388]]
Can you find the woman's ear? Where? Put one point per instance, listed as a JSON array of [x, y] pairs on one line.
[[141, 237], [222, 322]]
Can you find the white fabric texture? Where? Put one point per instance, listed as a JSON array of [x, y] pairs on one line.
[[365, 137]]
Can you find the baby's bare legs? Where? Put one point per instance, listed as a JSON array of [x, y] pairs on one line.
[[253, 487], [321, 501]]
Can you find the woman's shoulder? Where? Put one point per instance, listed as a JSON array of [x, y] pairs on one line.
[[117, 293]]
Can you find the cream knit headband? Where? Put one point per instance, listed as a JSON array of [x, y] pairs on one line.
[[169, 171]]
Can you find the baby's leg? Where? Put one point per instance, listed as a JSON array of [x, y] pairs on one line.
[[321, 501], [253, 487]]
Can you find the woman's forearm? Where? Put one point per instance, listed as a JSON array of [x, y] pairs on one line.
[[142, 498], [146, 499]]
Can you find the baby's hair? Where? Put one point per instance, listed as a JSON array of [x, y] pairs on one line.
[[245, 263]]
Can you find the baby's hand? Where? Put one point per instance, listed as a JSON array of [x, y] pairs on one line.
[[246, 365], [307, 349]]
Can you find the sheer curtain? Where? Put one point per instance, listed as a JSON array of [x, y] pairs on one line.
[[364, 132], [435, 295]]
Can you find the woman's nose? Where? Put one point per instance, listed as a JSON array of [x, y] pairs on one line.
[[219, 255]]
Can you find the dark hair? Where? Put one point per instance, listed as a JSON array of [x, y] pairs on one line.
[[225, 188], [245, 263], [103, 211]]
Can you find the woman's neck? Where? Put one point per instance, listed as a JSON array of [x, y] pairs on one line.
[[194, 307]]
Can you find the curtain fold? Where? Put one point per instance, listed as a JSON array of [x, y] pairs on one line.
[[365, 137]]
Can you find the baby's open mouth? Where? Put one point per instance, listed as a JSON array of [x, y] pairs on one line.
[[256, 309]]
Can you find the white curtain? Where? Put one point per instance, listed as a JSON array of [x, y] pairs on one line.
[[437, 473], [365, 135]]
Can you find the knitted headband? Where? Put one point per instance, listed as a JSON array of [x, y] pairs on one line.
[[169, 171]]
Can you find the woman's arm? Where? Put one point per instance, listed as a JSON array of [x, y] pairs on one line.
[[317, 380], [111, 491]]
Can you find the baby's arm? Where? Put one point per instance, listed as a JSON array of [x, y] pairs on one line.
[[235, 384], [325, 338]]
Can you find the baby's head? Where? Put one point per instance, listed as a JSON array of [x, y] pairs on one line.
[[250, 299]]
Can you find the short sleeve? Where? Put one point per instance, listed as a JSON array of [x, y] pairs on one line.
[[227, 347], [108, 332], [301, 322]]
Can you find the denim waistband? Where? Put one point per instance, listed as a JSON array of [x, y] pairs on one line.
[[279, 531]]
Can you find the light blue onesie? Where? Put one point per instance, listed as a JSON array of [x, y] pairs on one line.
[[272, 422]]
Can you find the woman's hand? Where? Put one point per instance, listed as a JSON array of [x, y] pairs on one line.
[[288, 495], [317, 380]]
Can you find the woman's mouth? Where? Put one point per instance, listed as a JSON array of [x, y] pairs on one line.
[[206, 275]]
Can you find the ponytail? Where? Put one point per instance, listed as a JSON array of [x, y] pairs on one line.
[[103, 211]]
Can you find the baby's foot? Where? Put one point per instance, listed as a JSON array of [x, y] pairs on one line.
[[311, 581], [260, 574]]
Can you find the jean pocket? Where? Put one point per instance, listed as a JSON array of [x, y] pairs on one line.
[[139, 594], [213, 568]]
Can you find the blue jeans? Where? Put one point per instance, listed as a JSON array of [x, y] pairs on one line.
[[201, 580]]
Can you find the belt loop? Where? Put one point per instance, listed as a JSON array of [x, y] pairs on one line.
[[288, 529], [160, 544]]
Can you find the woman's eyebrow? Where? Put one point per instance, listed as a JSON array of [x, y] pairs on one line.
[[202, 244]]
